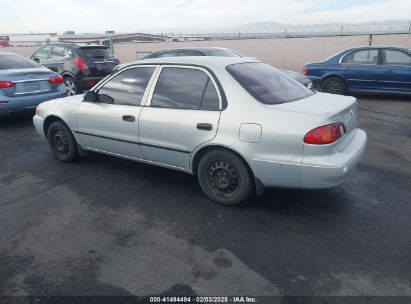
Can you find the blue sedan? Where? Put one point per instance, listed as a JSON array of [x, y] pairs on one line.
[[373, 69], [24, 84]]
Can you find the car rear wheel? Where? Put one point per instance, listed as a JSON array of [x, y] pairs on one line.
[[62, 142], [333, 85], [71, 86], [225, 178]]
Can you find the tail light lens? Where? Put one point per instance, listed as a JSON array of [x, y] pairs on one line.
[[56, 79], [6, 84], [81, 64], [117, 61], [326, 134], [305, 70]]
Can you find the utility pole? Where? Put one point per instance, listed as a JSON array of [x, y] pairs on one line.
[[342, 28]]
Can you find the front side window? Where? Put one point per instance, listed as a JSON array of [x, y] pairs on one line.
[[128, 87], [395, 57], [267, 84], [43, 53], [362, 57], [185, 88]]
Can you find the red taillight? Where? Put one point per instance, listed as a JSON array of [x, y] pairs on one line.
[[325, 134], [56, 79], [117, 61], [305, 70], [81, 64], [6, 84]]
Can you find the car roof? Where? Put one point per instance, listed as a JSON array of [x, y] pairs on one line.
[[207, 61], [76, 46], [379, 47], [199, 48]]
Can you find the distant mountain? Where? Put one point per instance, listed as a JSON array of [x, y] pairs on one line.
[[375, 26]]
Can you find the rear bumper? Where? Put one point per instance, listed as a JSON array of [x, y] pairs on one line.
[[344, 162], [18, 104]]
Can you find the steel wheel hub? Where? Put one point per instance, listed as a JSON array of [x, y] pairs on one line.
[[61, 142], [223, 178]]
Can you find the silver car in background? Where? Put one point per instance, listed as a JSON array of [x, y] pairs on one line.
[[238, 124], [24, 84]]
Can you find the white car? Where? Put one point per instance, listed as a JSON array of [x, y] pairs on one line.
[[238, 124]]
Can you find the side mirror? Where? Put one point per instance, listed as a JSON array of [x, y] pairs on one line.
[[105, 98], [91, 96]]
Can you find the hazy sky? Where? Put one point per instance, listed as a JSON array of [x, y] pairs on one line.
[[18, 16]]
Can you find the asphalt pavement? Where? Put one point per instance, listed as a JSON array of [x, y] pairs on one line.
[[108, 226]]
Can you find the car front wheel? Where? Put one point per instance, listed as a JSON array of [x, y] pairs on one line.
[[62, 142], [225, 178]]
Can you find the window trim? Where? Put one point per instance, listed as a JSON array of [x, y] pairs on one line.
[[358, 50], [192, 67], [98, 86], [384, 56]]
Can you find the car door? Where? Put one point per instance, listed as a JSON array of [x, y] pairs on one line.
[[183, 112], [111, 124], [57, 59], [396, 71], [361, 70]]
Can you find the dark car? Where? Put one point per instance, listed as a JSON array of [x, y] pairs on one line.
[[221, 52], [81, 66], [374, 69]]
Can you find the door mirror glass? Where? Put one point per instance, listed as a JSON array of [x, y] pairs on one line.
[[91, 96]]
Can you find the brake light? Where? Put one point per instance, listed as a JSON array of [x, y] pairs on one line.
[[305, 70], [80, 63], [326, 134], [56, 79], [6, 84]]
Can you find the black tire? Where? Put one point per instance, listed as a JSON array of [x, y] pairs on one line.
[[224, 178], [62, 142], [333, 85], [71, 86]]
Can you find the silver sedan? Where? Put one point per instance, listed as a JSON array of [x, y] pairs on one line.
[[239, 125]]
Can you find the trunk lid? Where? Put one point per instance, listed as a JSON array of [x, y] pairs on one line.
[[100, 60], [28, 81], [325, 109]]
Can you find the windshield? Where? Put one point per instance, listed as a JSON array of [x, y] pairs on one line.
[[9, 62], [267, 84]]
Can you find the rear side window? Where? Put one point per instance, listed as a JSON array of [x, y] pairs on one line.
[[128, 87], [362, 57], [96, 53], [266, 84], [185, 88], [58, 52], [8, 62], [395, 57]]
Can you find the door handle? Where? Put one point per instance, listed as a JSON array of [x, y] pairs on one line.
[[387, 71], [205, 126], [129, 118]]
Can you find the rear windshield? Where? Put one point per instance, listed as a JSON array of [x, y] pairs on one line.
[[267, 84], [96, 52], [8, 62]]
